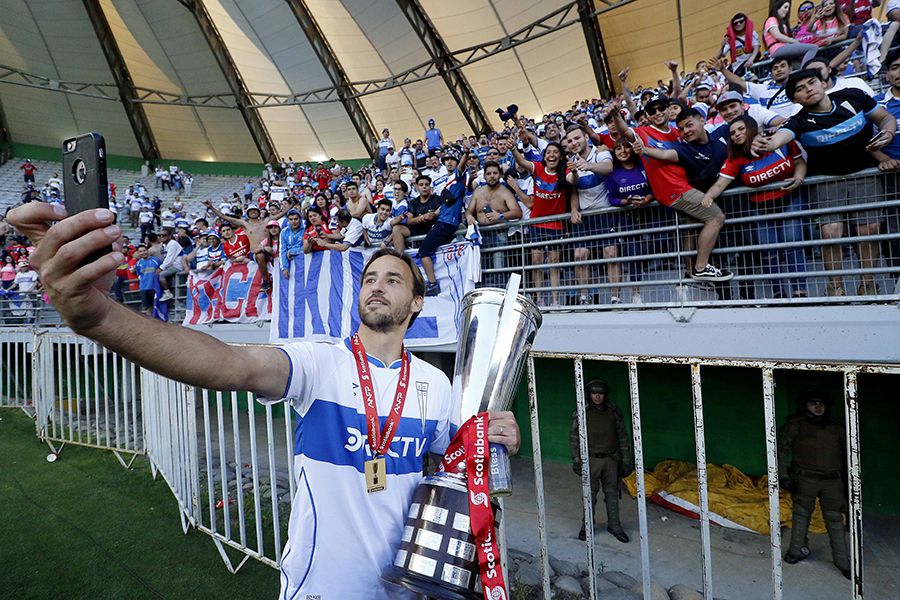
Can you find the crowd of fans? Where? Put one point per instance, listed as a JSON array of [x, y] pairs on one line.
[[614, 172]]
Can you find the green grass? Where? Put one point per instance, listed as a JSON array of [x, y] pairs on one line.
[[84, 527]]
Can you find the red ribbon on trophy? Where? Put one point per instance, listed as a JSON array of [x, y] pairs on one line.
[[470, 448]]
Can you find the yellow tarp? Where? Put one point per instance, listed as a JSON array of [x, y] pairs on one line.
[[732, 494]]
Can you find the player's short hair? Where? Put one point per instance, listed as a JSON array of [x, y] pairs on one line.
[[384, 201], [421, 177], [418, 281], [492, 163], [352, 183]]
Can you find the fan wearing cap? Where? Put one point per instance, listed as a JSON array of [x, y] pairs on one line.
[[25, 280], [434, 139], [28, 170], [391, 159], [255, 228], [609, 452], [449, 216], [271, 244], [731, 106], [812, 465], [680, 172], [291, 242]]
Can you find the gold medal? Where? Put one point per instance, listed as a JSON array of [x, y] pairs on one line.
[[376, 479]]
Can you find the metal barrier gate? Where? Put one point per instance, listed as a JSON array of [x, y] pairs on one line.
[[767, 369], [16, 377], [86, 395]]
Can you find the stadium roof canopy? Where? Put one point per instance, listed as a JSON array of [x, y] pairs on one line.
[[237, 80]]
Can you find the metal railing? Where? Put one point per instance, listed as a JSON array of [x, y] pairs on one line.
[[16, 376], [766, 369], [87, 396], [776, 250]]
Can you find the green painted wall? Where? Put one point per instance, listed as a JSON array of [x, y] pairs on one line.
[[733, 416], [132, 163]]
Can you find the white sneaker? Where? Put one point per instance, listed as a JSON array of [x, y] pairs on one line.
[[166, 296], [636, 298], [583, 300], [615, 300]]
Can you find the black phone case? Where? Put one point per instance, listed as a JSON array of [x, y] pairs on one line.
[[85, 182]]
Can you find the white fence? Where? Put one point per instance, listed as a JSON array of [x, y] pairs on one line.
[[86, 395], [16, 374]]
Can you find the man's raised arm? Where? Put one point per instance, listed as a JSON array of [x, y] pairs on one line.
[[79, 294]]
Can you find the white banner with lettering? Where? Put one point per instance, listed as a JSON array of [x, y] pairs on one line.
[[320, 299]]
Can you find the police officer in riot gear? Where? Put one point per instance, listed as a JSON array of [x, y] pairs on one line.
[[812, 461], [609, 452]]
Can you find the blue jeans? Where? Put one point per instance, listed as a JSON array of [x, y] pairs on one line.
[[782, 231]]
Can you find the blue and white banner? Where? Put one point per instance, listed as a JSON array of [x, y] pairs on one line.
[[320, 299]]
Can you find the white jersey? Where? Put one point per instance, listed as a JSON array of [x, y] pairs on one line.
[[340, 537], [378, 232], [592, 186], [764, 92], [440, 178]]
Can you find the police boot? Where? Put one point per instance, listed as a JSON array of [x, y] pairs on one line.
[[613, 525], [834, 524], [799, 528]]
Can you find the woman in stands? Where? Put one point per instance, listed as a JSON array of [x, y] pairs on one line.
[[7, 273], [778, 37], [803, 32], [787, 167], [628, 187], [551, 197], [830, 24], [741, 43], [324, 206], [270, 245], [378, 194], [318, 236]]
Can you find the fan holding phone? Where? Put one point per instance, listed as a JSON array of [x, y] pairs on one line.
[[785, 167]]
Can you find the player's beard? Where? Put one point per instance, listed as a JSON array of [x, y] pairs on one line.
[[384, 322]]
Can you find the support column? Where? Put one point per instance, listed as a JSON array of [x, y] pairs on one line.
[[590, 25], [255, 124], [358, 115], [448, 67], [140, 124]]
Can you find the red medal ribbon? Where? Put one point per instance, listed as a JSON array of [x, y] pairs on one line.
[[380, 441], [470, 447]]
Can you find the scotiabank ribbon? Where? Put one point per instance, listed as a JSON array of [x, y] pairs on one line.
[[470, 448]]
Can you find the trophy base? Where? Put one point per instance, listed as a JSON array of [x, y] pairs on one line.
[[428, 587]]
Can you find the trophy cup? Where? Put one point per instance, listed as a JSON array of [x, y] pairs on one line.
[[437, 555]]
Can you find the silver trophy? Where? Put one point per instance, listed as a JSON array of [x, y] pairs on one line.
[[437, 555], [496, 332]]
